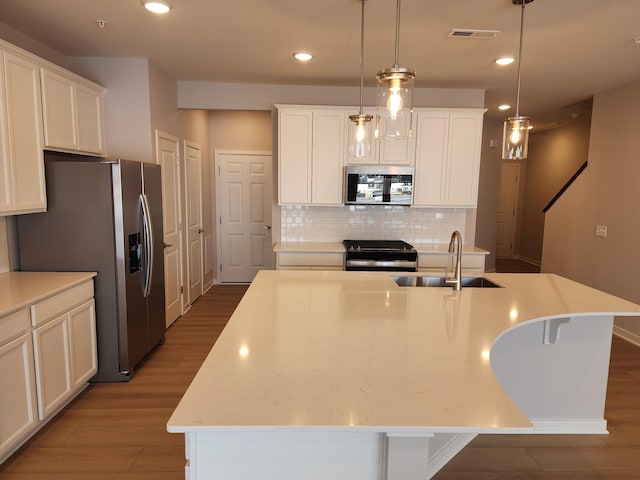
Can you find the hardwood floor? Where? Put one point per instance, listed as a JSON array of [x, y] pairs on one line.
[[563, 457], [515, 265], [117, 431]]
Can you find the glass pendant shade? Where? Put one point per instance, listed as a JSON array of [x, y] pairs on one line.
[[515, 138], [394, 103], [360, 135]]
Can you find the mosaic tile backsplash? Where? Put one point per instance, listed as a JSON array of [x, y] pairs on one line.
[[334, 224]]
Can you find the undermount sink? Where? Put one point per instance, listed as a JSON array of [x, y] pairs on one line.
[[432, 281]]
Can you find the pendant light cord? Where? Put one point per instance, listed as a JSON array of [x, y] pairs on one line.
[[361, 55], [397, 34], [519, 58]]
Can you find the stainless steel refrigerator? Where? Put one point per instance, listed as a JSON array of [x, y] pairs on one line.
[[105, 216]]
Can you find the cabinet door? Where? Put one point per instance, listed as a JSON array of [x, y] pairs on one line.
[[395, 152], [89, 104], [465, 136], [432, 131], [294, 156], [25, 139], [53, 365], [17, 395], [59, 111], [327, 158], [82, 341], [6, 175]]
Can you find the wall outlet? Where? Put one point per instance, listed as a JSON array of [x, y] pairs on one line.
[[601, 230]]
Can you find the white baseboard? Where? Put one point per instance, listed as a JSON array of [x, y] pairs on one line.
[[626, 335], [570, 426], [446, 453], [532, 261]]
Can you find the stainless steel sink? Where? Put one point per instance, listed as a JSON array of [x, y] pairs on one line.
[[432, 281]]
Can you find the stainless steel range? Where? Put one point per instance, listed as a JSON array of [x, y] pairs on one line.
[[380, 255]]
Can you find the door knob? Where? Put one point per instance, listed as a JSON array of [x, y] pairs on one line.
[[166, 245], [200, 230], [267, 227]]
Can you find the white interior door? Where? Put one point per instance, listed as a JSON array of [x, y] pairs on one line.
[[507, 210], [167, 152], [193, 197], [244, 208]]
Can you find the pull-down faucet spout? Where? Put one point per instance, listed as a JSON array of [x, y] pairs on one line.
[[455, 246]]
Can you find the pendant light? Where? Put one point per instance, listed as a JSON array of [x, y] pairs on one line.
[[395, 97], [515, 136], [359, 131]]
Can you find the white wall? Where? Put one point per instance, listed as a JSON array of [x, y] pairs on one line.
[[606, 193], [235, 96]]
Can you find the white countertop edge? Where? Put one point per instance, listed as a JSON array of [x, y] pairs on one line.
[[394, 431], [45, 291], [338, 247]]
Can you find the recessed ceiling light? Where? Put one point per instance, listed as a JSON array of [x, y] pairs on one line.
[[504, 107], [157, 6], [505, 60], [302, 56]]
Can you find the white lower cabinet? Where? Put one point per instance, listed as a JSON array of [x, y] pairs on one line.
[[309, 261], [18, 412], [48, 352]]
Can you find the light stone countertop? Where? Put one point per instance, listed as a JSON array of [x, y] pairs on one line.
[[20, 289], [346, 351], [338, 247]]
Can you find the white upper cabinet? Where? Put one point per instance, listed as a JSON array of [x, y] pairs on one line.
[[41, 106], [21, 155], [294, 156], [73, 113], [310, 156], [447, 158], [313, 147]]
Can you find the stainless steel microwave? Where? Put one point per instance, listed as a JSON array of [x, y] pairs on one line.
[[379, 185]]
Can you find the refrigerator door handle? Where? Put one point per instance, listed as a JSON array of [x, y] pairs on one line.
[[147, 235]]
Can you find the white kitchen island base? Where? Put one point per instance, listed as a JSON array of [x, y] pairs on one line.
[[318, 455], [346, 375]]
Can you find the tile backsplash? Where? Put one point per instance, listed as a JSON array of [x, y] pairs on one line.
[[334, 224]]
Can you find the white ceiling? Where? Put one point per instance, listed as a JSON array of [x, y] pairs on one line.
[[572, 48]]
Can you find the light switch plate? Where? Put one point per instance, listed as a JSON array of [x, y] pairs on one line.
[[601, 230]]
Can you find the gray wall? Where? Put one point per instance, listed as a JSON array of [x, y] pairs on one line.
[[554, 156], [607, 193], [488, 191]]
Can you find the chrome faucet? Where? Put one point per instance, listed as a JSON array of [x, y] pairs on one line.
[[455, 246]]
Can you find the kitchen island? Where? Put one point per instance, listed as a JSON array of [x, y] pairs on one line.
[[348, 375]]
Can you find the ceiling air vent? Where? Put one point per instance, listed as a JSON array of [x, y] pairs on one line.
[[471, 33]]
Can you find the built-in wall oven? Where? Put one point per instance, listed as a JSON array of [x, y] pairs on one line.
[[380, 255]]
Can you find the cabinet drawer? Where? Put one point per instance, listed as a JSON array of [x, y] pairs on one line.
[[14, 324], [309, 259], [442, 260], [60, 303]]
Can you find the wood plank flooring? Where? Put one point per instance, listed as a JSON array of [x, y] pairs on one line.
[[117, 431]]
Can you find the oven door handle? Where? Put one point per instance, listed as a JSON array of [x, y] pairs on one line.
[[381, 263]]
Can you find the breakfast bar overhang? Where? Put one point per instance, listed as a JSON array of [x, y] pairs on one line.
[[347, 375]]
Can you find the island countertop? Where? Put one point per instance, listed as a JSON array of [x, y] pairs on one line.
[[347, 351]]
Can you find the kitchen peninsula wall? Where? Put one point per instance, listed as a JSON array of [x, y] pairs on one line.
[[333, 224]]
